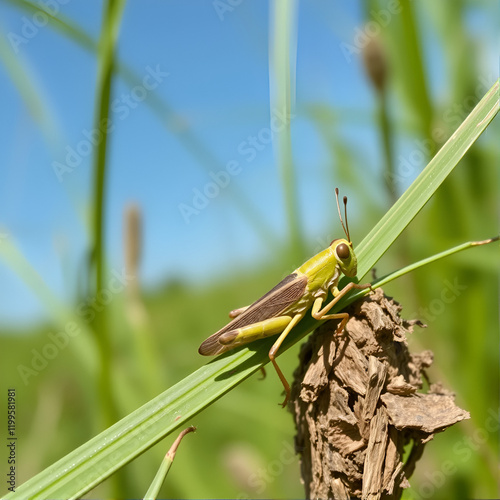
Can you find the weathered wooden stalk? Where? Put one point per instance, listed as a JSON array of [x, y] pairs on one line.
[[356, 405]]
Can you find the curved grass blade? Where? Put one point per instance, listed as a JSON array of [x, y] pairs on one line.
[[407, 269], [85, 467], [81, 470], [58, 21], [166, 463], [18, 71], [381, 237]]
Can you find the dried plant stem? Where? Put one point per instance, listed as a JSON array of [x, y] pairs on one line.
[[356, 405]]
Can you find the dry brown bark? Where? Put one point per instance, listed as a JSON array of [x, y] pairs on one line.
[[356, 405]]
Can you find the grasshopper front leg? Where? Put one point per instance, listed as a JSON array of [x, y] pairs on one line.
[[319, 314]]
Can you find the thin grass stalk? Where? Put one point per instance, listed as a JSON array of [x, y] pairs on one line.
[[36, 103], [283, 28], [418, 91], [387, 141], [106, 62], [148, 356], [377, 69], [58, 22]]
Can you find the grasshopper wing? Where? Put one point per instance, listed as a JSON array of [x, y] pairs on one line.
[[270, 305]]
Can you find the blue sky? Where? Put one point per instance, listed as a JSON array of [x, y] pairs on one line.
[[214, 75]]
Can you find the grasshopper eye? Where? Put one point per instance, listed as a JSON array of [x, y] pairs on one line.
[[343, 251]]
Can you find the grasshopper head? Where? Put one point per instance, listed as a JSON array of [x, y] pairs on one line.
[[343, 247], [346, 257]]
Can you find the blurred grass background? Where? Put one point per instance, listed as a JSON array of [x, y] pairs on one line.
[[146, 338]]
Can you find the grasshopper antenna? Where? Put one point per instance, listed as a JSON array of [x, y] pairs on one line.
[[346, 227], [346, 223]]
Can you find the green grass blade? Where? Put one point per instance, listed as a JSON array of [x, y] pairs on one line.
[[58, 21], [408, 269], [18, 70], [381, 237], [61, 314], [154, 489], [94, 461], [413, 72], [282, 56], [81, 470], [106, 60]]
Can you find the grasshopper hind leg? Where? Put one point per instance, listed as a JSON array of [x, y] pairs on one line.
[[274, 350]]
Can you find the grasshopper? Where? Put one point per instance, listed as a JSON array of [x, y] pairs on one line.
[[280, 309]]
